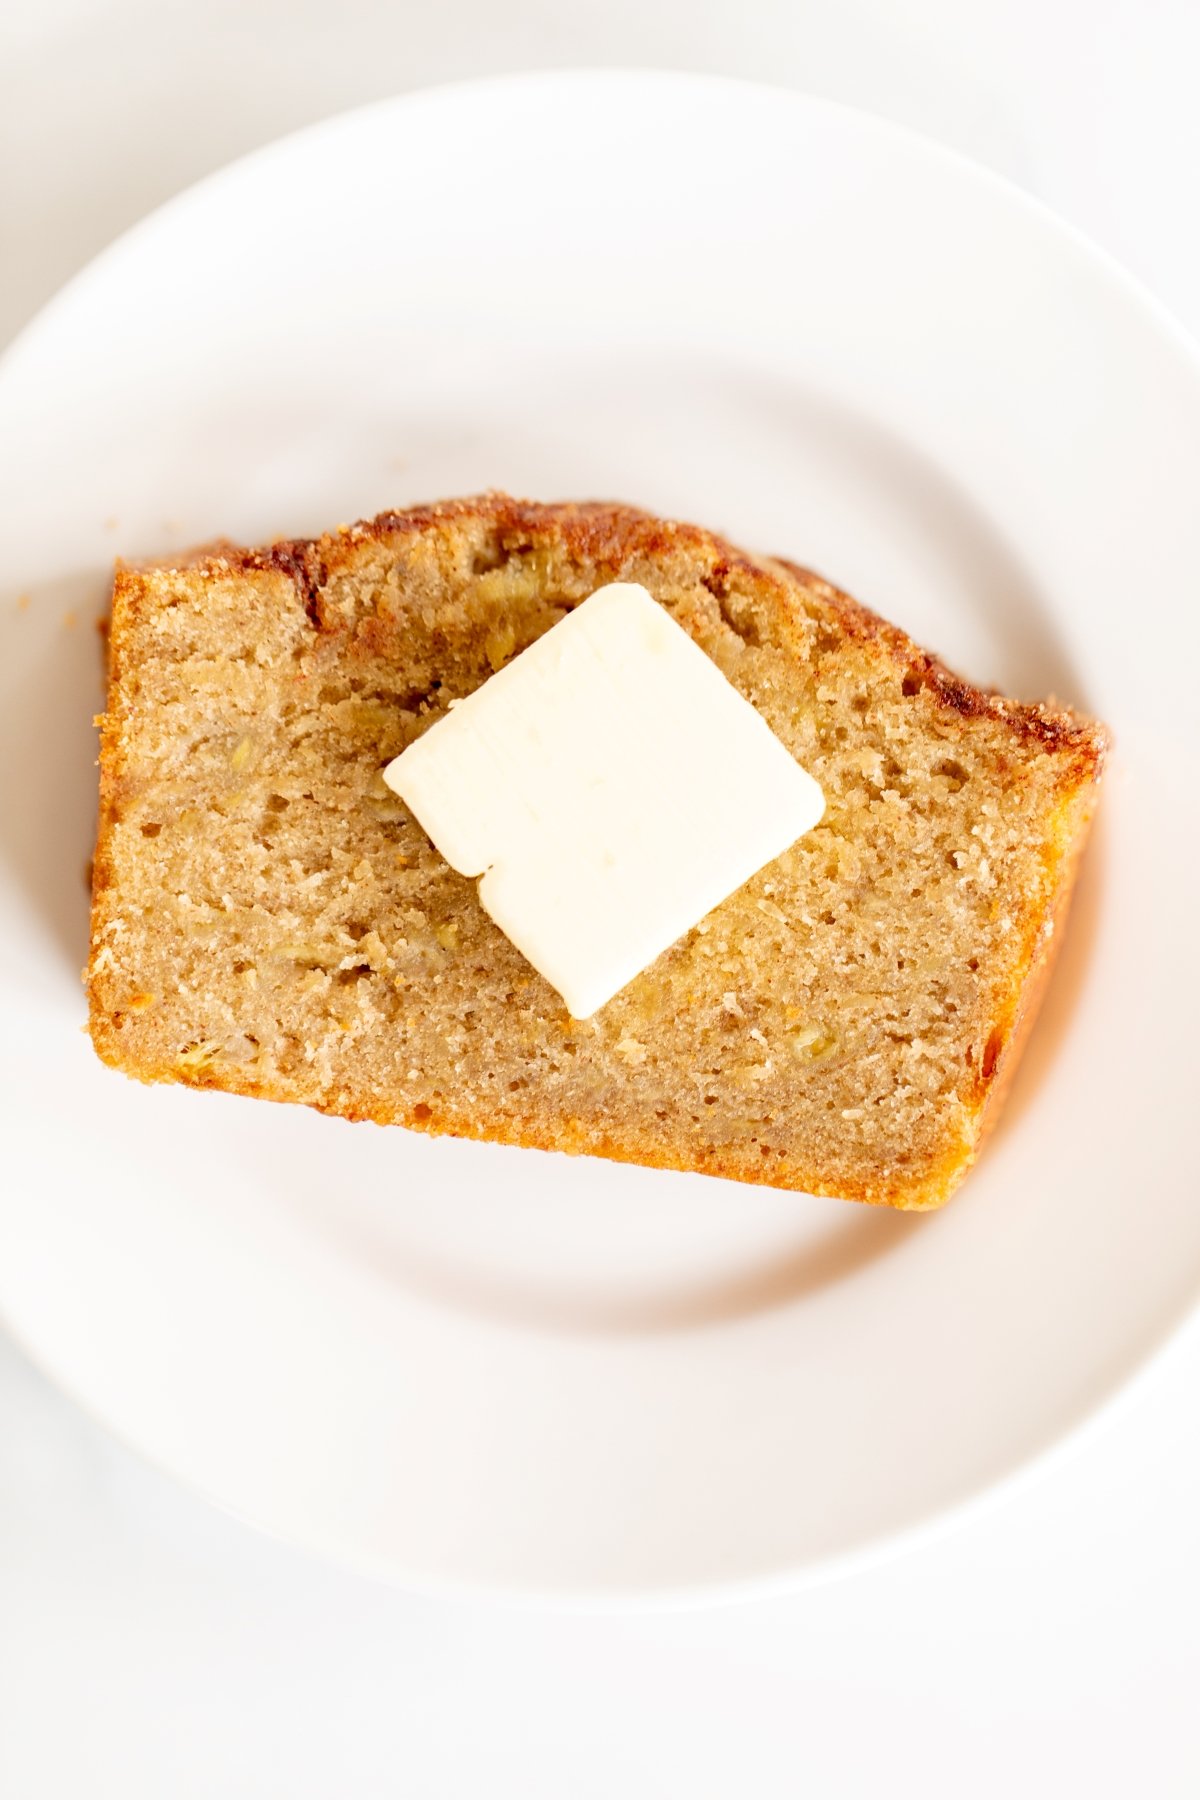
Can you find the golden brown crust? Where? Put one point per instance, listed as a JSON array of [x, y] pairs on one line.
[[1056, 728], [1014, 1026], [607, 538], [607, 534]]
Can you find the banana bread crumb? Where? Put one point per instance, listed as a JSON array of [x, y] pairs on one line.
[[268, 918]]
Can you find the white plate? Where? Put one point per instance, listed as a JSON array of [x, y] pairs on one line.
[[459, 1364]]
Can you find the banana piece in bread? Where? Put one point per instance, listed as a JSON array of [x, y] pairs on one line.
[[269, 918]]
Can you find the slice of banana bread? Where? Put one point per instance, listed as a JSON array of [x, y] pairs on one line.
[[268, 917]]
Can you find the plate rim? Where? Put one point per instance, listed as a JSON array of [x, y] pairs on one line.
[[861, 117]]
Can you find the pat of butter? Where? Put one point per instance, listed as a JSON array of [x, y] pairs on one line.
[[611, 787]]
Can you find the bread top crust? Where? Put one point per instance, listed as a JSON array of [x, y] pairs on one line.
[[607, 534]]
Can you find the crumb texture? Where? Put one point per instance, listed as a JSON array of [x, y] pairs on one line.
[[269, 918]]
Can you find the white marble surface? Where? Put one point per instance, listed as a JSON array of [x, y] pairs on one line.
[[149, 1646]]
